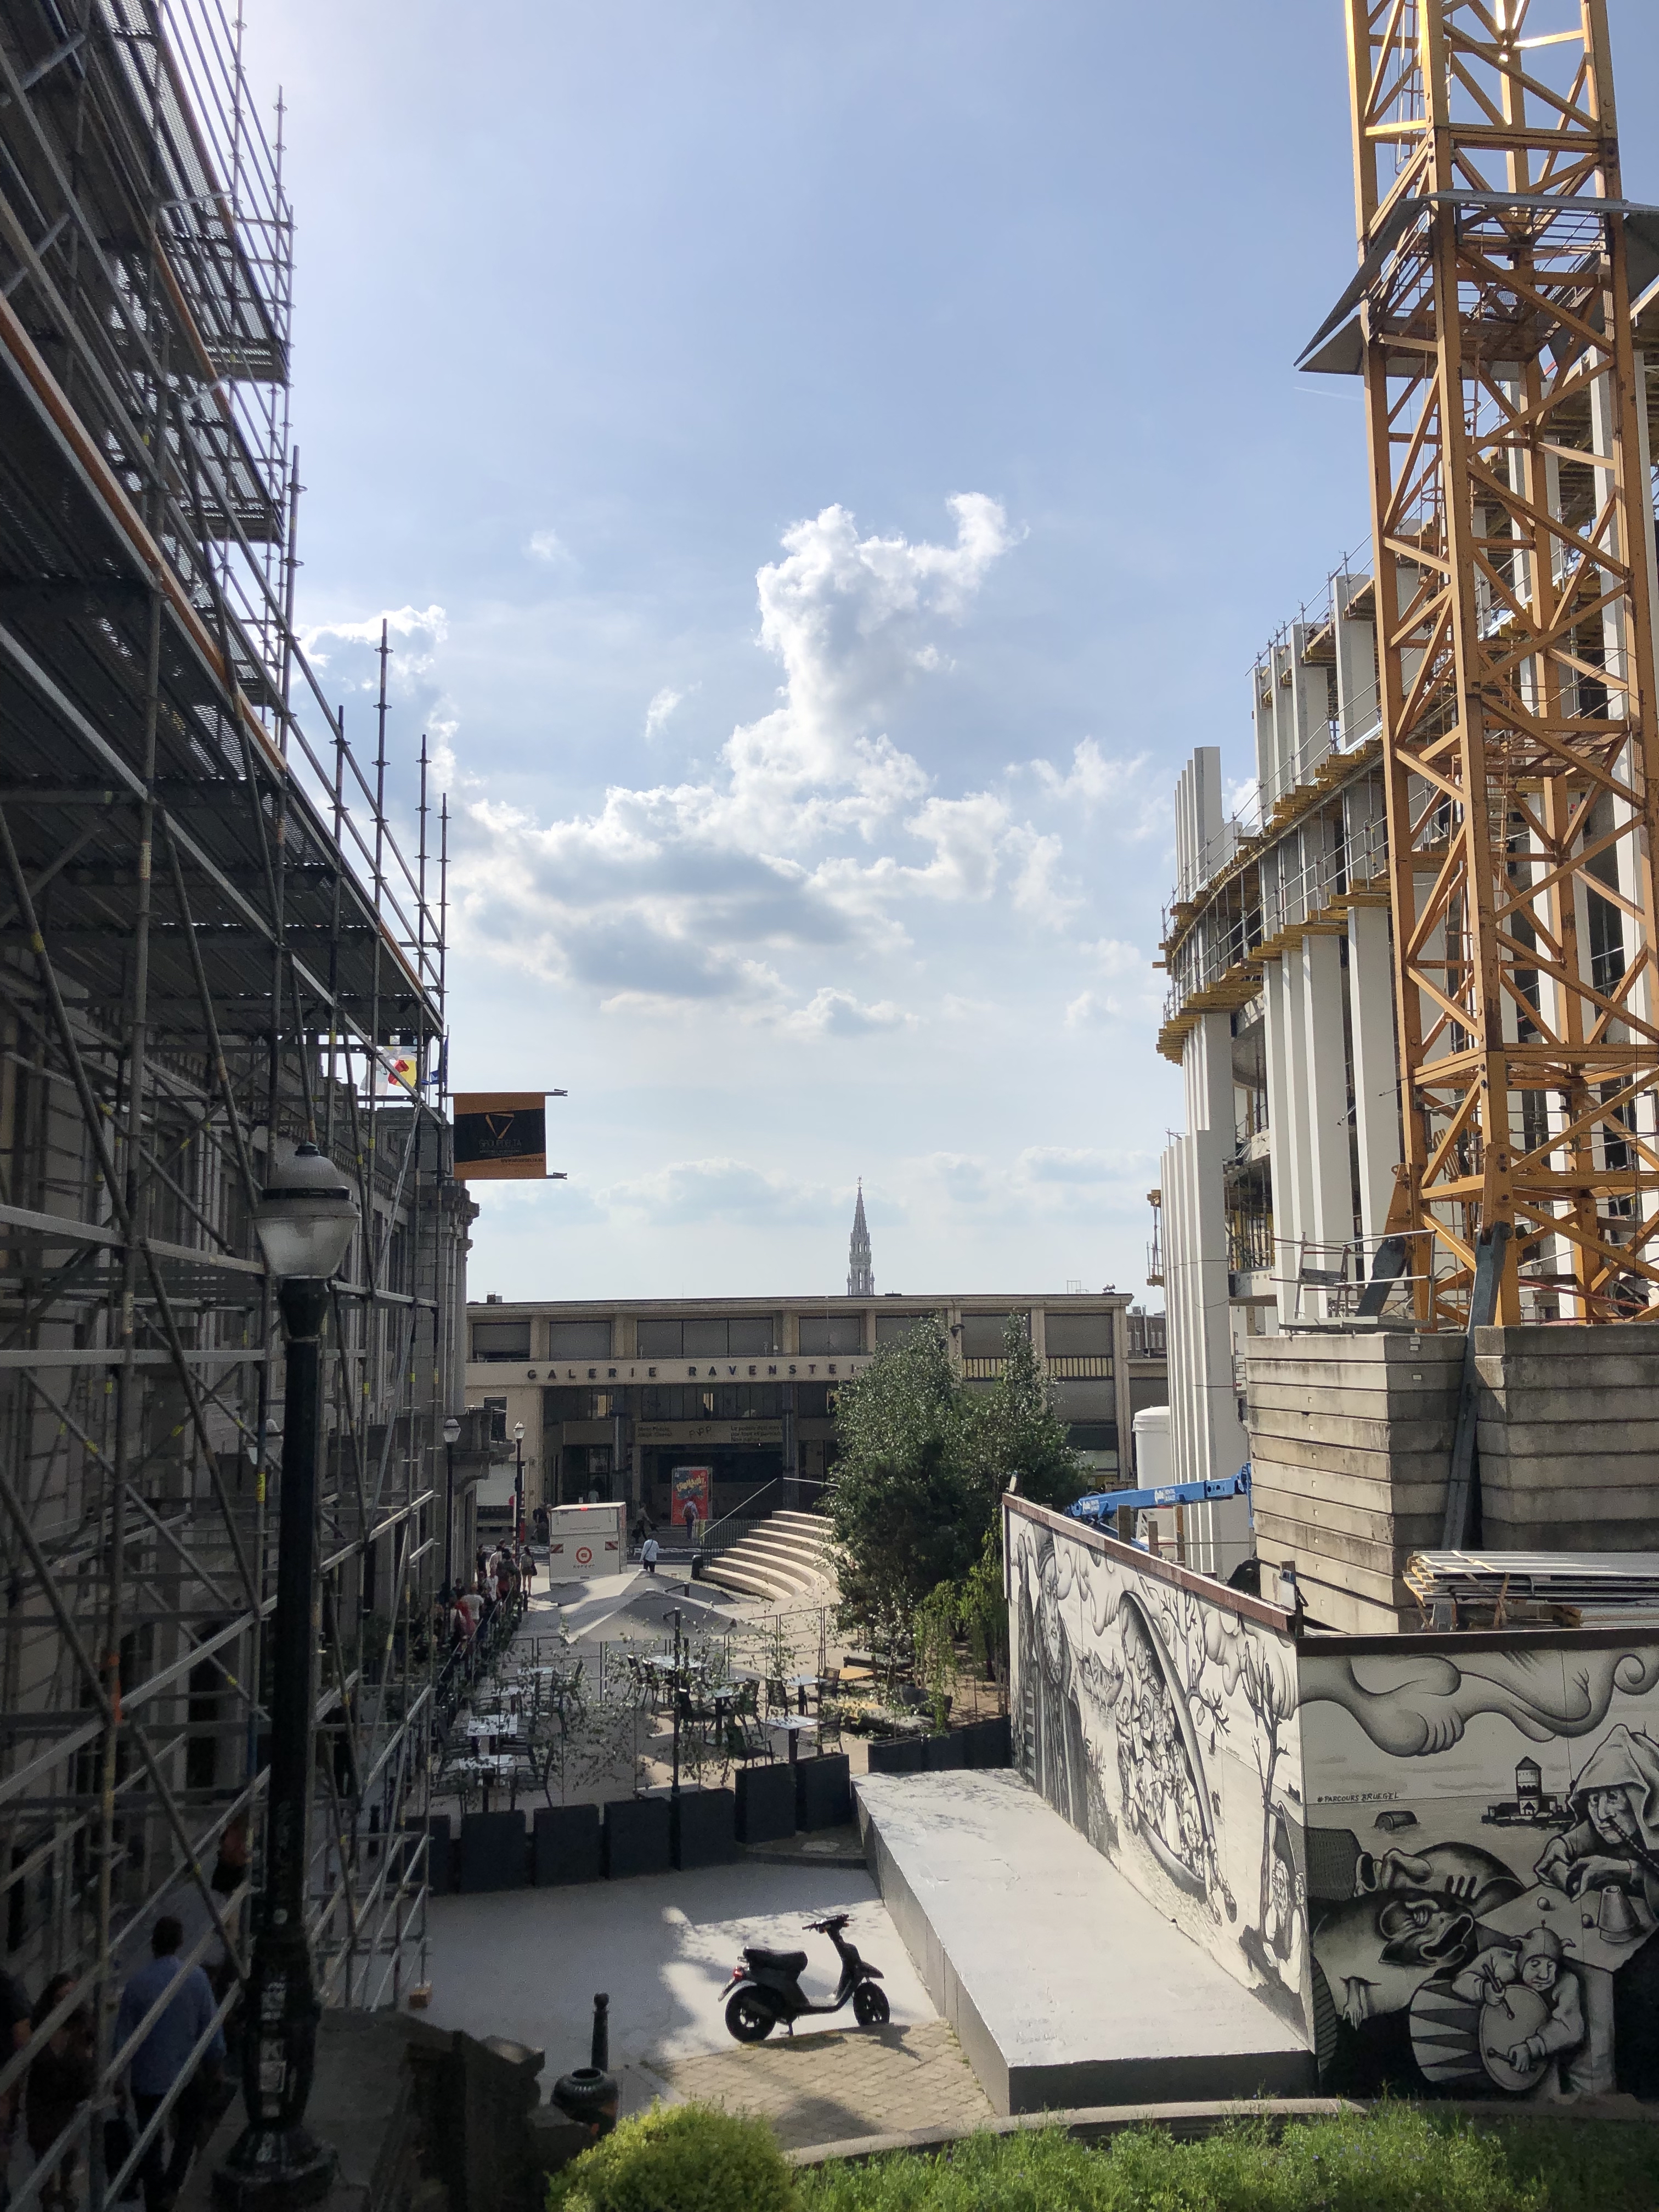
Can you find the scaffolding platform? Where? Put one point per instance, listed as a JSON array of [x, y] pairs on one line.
[[1065, 1986]]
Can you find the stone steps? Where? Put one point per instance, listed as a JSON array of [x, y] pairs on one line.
[[786, 1557]]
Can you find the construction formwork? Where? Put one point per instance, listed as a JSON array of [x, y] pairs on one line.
[[212, 946]]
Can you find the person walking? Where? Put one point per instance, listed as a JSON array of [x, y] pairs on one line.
[[164, 2055], [58, 2083], [649, 1555]]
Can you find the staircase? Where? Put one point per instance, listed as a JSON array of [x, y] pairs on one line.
[[786, 1556]]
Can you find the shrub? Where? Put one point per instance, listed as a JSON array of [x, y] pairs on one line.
[[678, 2158]]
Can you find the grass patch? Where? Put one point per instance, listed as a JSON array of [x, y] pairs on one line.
[[1399, 2158]]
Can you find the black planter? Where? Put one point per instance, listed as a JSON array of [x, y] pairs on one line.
[[987, 1743], [440, 1857], [944, 1751], [635, 1837], [568, 1844], [704, 1829], [766, 1803], [493, 1853], [897, 1754], [824, 1792]]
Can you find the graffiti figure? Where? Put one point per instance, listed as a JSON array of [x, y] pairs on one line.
[[1537, 1966], [1615, 1840], [1056, 1752]]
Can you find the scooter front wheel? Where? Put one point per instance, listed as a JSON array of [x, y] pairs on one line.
[[749, 2019], [870, 2005]]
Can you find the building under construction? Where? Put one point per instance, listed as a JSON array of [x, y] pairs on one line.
[[214, 947]]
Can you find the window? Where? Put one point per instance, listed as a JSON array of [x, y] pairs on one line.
[[813, 1402], [1078, 1336], [897, 1328], [753, 1336], [501, 1339], [1085, 1402], [983, 1334], [582, 1340], [497, 1409], [659, 1339], [829, 1333], [580, 1405], [706, 1337]]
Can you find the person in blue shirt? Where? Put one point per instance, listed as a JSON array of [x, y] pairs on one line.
[[164, 2055]]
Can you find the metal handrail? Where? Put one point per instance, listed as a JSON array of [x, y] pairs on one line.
[[745, 1512]]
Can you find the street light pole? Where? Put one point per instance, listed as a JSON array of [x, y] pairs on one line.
[[452, 1434], [305, 1222], [518, 1484]]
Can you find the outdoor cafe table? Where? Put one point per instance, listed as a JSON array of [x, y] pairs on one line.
[[800, 1684], [794, 1726]]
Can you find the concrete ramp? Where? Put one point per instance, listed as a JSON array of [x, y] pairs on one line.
[[1064, 1985]]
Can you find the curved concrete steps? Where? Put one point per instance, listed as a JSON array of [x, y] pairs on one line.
[[786, 1556]]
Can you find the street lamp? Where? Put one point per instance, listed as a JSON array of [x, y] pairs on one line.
[[451, 1435], [305, 1221], [518, 1484]]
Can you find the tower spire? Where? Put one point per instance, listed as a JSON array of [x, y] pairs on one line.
[[860, 1281]]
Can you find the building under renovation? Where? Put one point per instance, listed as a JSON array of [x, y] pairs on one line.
[[215, 942], [1410, 982]]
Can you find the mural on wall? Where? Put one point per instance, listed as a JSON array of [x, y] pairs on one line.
[[1163, 1725], [1482, 1868]]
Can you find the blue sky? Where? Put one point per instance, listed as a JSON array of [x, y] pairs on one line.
[[827, 468]]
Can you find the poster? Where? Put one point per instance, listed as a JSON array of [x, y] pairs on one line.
[[693, 1493], [500, 1136]]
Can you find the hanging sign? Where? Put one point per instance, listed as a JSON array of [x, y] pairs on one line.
[[500, 1136]]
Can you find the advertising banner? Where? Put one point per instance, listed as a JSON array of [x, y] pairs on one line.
[[500, 1136], [693, 1493]]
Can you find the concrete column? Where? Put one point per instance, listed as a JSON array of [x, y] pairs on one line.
[[1206, 1436], [1356, 702], [1330, 1181], [1287, 1123], [1126, 1419], [1376, 1064]]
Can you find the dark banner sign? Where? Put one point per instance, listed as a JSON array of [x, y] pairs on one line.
[[500, 1135]]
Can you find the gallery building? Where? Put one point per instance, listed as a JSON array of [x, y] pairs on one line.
[[613, 1394]]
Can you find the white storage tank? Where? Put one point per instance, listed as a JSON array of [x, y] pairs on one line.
[[1153, 1465]]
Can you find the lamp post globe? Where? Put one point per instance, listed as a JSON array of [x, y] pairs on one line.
[[305, 1221]]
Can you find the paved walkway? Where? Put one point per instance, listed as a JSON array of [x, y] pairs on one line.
[[525, 1964], [826, 2088]]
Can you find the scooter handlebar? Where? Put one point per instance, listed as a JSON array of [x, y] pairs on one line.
[[827, 1927]]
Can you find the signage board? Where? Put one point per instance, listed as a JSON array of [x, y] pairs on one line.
[[500, 1136]]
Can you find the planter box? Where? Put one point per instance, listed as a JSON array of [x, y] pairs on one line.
[[704, 1828], [898, 1754], [987, 1743], [766, 1804], [635, 1837], [568, 1844], [440, 1859], [944, 1751], [493, 1853], [824, 1792]]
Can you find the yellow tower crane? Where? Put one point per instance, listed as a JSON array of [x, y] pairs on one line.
[[1512, 522]]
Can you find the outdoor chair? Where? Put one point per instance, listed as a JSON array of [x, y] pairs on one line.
[[746, 1741], [829, 1724]]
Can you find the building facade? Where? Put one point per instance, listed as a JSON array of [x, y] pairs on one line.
[[613, 1395]]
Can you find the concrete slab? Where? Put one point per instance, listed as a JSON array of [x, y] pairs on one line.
[[526, 1965], [1065, 1986]]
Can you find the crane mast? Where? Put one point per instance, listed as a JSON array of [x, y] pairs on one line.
[[1512, 521]]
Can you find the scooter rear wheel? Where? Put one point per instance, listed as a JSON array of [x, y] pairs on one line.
[[870, 2005], [748, 2018]]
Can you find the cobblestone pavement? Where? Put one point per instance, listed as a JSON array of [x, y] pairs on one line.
[[824, 2089]]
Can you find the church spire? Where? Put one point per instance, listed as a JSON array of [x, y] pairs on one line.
[[860, 1281]]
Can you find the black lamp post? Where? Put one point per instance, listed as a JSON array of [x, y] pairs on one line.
[[451, 1435], [305, 1222], [518, 1483]]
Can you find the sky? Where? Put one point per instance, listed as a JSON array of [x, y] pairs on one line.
[[824, 468]]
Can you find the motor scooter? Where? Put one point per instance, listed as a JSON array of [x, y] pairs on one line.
[[766, 1988]]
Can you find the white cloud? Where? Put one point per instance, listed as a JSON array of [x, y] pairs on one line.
[[662, 705], [429, 622], [547, 546], [1090, 1007], [722, 1190], [1093, 777], [839, 1014], [1114, 958]]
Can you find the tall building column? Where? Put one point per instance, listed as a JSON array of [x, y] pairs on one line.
[[1287, 1115], [1329, 1174], [1207, 1436], [1376, 1064]]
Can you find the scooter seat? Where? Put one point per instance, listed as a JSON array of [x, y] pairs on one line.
[[785, 1962]]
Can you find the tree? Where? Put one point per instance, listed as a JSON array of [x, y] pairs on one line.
[[924, 1461], [1018, 1431]]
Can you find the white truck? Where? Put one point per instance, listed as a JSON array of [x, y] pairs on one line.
[[586, 1539]]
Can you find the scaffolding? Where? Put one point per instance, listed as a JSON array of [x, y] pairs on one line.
[[212, 946]]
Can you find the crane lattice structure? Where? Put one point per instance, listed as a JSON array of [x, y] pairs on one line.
[[211, 948], [1491, 317]]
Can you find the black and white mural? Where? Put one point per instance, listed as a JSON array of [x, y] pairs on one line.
[[1163, 1724], [1483, 1865]]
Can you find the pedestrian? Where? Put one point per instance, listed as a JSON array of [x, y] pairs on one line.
[[527, 1568], [691, 1521], [162, 2057], [59, 2081], [649, 1555]]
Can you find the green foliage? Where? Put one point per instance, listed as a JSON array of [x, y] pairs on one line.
[[1398, 2158], [678, 2158], [982, 1612], [932, 1634], [923, 1463]]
